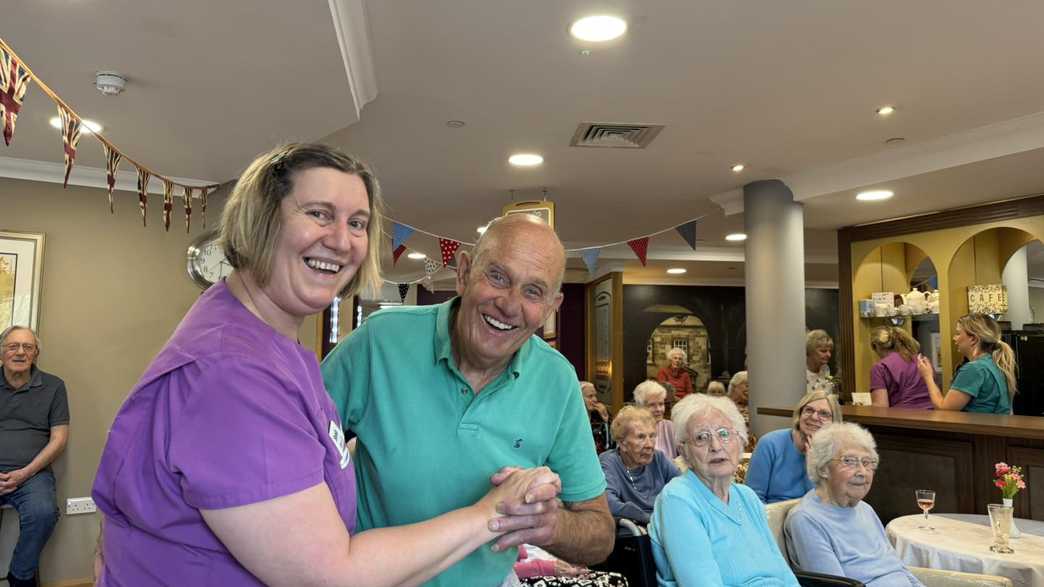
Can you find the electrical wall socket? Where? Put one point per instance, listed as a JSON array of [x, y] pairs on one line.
[[79, 505]]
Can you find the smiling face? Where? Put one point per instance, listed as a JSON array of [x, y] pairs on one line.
[[636, 449], [847, 485], [321, 243], [821, 356], [814, 416], [507, 290], [740, 393], [19, 352], [711, 459]]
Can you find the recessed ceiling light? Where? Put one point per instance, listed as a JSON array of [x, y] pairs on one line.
[[455, 123], [676, 270], [525, 159], [874, 195], [736, 237], [886, 110], [86, 125], [738, 167], [416, 255], [597, 29], [481, 229]]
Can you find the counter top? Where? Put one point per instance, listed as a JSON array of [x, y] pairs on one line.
[[944, 421]]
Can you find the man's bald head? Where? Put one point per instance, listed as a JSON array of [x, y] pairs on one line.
[[528, 232]]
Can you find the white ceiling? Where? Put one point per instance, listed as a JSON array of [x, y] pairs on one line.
[[789, 88]]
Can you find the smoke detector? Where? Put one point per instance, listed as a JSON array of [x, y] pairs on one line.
[[109, 83]]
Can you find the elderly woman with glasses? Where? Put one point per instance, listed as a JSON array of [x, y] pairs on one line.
[[777, 467], [635, 472], [832, 530], [705, 529]]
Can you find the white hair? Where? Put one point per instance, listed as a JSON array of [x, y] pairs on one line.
[[677, 351], [7, 332], [698, 405], [738, 379], [829, 441], [647, 388]]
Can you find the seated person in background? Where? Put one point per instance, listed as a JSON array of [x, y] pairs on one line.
[[716, 388], [894, 380], [818, 349], [705, 530], [598, 415], [832, 530], [676, 373], [635, 471], [987, 382], [652, 396], [777, 467], [739, 393]]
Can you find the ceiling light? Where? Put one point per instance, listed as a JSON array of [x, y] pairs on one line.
[[738, 168], [676, 270], [416, 255], [525, 159], [86, 126], [874, 195], [597, 29], [886, 110], [736, 237], [481, 229]]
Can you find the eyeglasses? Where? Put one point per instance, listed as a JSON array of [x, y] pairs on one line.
[[702, 439], [25, 346], [850, 462], [818, 414]]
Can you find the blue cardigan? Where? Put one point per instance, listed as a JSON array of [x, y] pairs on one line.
[[698, 539], [635, 500], [777, 469]]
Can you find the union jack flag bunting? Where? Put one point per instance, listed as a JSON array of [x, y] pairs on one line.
[[143, 189], [188, 208], [112, 161], [14, 81], [168, 202], [70, 138]]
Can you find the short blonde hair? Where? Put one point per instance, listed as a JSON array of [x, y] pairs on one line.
[[627, 416], [738, 379], [716, 388], [835, 408], [647, 388], [251, 221], [698, 404], [815, 339], [829, 441]]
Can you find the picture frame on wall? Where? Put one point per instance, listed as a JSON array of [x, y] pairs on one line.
[[21, 262], [551, 326], [542, 209]]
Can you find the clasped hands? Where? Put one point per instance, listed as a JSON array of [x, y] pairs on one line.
[[529, 516], [11, 480]]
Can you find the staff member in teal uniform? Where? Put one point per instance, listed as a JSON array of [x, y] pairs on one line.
[[986, 383]]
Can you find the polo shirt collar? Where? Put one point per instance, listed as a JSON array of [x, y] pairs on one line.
[[444, 343], [35, 380]]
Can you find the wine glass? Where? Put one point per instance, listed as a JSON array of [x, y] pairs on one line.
[[925, 501]]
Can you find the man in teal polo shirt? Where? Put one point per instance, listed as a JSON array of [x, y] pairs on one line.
[[443, 397]]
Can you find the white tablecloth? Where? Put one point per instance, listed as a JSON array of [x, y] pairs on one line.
[[961, 542]]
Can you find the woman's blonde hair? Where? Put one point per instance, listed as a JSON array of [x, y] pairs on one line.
[[885, 339], [815, 339], [251, 221], [627, 416], [835, 408], [988, 332]]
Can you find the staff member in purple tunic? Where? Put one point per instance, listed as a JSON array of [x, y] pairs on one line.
[[227, 465], [894, 380]]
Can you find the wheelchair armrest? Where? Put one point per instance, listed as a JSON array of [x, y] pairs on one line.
[[628, 527], [807, 579]]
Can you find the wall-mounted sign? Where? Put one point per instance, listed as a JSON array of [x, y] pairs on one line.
[[543, 209], [987, 299]]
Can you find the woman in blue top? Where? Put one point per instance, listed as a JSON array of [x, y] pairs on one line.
[[777, 467], [705, 530], [986, 383]]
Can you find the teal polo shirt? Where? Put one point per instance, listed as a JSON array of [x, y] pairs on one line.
[[428, 444], [983, 380]]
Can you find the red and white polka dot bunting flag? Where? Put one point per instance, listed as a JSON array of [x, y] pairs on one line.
[[449, 248], [639, 246]]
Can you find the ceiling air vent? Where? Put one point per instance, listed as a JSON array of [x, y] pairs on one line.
[[614, 136]]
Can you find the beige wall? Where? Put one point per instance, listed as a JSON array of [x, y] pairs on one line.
[[112, 293]]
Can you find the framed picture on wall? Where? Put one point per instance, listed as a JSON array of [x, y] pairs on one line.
[[551, 326], [21, 257], [543, 209]]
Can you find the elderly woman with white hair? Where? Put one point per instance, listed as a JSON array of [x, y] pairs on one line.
[[652, 396], [777, 467], [832, 530], [818, 349], [635, 472], [739, 393], [676, 373], [705, 529]]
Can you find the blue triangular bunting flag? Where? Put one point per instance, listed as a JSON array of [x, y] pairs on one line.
[[688, 232], [590, 257], [400, 233]]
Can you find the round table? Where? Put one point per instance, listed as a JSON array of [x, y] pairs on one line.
[[961, 542]]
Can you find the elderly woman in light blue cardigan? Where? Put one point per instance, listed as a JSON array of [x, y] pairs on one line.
[[832, 530], [705, 530]]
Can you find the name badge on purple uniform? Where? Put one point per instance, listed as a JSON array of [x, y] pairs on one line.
[[337, 435]]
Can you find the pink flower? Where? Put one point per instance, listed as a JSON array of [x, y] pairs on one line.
[[1001, 469], [999, 483], [1021, 484]]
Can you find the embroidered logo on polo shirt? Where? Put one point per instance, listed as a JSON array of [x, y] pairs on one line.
[[517, 443], [337, 436]]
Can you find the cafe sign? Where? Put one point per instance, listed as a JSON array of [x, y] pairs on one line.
[[987, 299]]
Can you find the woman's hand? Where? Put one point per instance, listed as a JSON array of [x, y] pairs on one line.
[[520, 491], [602, 411], [925, 368]]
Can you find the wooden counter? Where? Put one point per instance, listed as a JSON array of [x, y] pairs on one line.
[[950, 452]]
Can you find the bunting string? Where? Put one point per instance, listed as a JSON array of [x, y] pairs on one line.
[[14, 81]]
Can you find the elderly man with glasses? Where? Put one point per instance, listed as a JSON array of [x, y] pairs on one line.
[[34, 427]]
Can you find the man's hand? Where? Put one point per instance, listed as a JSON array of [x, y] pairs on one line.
[[529, 521], [12, 480]]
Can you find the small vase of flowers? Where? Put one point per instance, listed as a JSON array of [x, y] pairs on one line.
[[1009, 479]]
